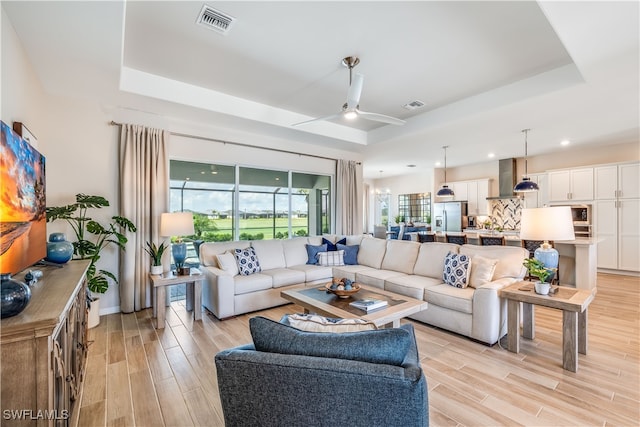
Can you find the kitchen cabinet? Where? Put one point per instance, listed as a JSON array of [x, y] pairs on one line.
[[540, 198], [616, 213], [571, 185], [475, 193], [44, 350]]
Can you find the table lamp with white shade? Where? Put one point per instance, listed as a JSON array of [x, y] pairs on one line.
[[177, 224], [550, 223]]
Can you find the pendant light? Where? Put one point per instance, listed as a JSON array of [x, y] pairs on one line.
[[445, 191], [526, 185]]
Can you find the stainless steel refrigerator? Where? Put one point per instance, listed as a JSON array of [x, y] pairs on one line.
[[450, 216]]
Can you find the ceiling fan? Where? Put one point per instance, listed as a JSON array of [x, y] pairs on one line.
[[351, 108]]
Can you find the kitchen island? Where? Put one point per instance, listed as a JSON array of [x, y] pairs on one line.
[[578, 258]]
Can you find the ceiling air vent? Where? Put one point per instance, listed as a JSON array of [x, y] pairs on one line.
[[215, 20], [413, 105]]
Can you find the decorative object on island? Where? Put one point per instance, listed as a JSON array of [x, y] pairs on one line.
[[445, 191], [526, 185], [343, 288], [14, 296], [83, 226], [537, 269], [59, 250], [550, 223], [155, 252], [23, 240], [178, 224]]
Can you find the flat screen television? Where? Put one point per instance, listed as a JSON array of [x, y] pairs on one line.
[[23, 220]]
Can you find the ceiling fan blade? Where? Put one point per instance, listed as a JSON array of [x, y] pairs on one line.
[[381, 118], [355, 90], [318, 119]]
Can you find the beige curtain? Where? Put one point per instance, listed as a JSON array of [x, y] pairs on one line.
[[348, 197], [144, 195]]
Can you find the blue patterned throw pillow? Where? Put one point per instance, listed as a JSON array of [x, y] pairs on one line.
[[247, 261], [456, 269]]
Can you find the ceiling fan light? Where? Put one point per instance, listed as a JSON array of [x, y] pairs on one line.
[[350, 115], [526, 185]]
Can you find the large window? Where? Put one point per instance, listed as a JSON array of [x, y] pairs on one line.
[[241, 203]]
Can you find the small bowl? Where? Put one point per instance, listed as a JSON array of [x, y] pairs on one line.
[[343, 293]]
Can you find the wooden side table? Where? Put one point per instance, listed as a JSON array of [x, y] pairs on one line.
[[161, 281], [573, 303]]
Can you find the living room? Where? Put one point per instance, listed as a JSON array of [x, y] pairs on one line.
[[81, 148]]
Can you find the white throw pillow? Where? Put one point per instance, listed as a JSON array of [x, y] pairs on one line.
[[315, 323], [482, 270], [227, 262], [331, 258]]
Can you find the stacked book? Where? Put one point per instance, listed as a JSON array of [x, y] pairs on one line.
[[369, 304]]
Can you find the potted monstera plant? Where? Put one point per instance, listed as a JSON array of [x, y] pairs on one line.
[[91, 238], [537, 269]]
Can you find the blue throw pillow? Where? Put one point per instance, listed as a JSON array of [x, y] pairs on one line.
[[350, 253], [331, 246], [312, 253], [388, 346], [456, 269]]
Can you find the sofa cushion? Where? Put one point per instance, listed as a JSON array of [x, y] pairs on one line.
[[350, 253], [386, 346], [227, 262], [509, 259], [294, 251], [377, 278], [457, 299], [481, 270], [400, 256], [431, 258], [332, 246], [371, 252], [209, 250], [455, 271], [316, 323], [314, 273], [270, 253], [411, 285], [247, 261], [312, 253], [285, 276], [252, 283], [331, 258]]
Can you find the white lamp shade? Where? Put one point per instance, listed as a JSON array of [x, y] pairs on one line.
[[551, 223], [176, 224]]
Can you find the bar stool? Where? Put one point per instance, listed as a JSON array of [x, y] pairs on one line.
[[492, 240], [426, 237], [458, 239]]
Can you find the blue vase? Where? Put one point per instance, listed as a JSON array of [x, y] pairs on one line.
[[59, 250], [14, 296]]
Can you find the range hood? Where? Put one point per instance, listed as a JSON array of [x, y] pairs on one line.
[[507, 179]]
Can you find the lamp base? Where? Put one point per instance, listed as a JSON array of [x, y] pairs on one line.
[[179, 251], [549, 257]]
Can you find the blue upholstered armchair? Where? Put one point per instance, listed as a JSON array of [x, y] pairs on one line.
[[302, 378]]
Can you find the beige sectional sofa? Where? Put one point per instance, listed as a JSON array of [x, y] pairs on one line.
[[405, 267]]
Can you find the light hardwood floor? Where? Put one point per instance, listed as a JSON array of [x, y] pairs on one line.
[[141, 376]]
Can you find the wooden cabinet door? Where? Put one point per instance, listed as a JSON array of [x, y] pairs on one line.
[[582, 184], [606, 230], [629, 181], [559, 186], [606, 182], [472, 197], [629, 235]]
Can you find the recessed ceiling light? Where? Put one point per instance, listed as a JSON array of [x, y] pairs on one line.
[[565, 142], [438, 163], [491, 155]]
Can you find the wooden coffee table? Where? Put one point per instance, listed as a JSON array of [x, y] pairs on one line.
[[573, 303], [316, 300]]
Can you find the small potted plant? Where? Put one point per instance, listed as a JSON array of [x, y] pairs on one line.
[[155, 252], [537, 269]]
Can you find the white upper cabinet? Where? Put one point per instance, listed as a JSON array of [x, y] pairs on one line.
[[629, 181], [571, 185], [606, 182], [475, 193], [537, 199], [617, 181]]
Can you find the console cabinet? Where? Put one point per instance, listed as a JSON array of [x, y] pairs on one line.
[[44, 351]]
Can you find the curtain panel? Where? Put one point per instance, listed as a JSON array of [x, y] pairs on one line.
[[144, 187], [349, 201]]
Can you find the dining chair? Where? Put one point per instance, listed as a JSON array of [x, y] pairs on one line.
[[426, 237], [492, 240], [458, 239]]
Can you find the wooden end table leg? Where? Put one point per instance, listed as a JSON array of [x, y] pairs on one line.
[[528, 321], [189, 295], [161, 298], [570, 340], [513, 330], [197, 300], [582, 332]]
